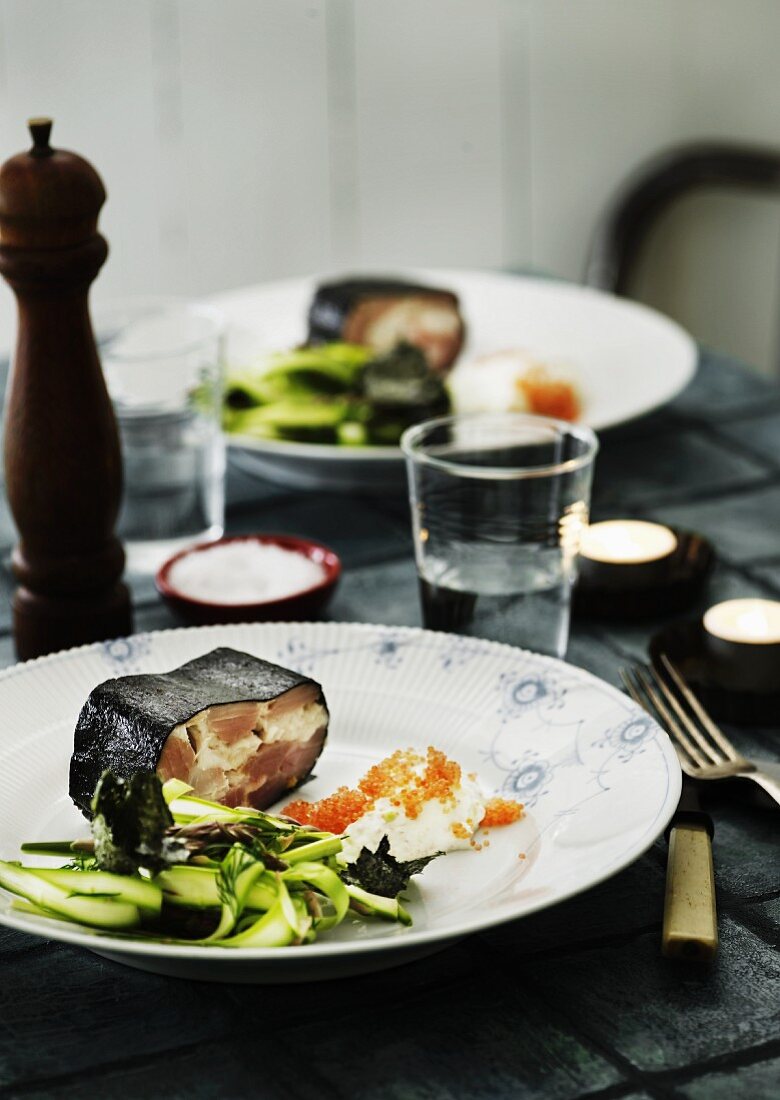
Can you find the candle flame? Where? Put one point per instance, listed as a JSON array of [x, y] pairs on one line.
[[754, 624], [628, 542], [750, 621]]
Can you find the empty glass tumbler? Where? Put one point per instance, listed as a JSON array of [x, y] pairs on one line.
[[499, 503], [163, 365]]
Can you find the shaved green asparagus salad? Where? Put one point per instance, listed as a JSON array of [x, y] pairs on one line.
[[334, 393], [162, 865]]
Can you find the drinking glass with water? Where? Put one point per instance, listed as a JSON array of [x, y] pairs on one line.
[[163, 366], [499, 503]]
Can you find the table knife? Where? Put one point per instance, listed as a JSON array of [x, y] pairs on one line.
[[690, 928]]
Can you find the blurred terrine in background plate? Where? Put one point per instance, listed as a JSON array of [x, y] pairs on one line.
[[383, 312]]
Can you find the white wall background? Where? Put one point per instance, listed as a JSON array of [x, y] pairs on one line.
[[242, 140]]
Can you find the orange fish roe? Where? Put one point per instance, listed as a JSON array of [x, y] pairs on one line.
[[333, 814], [550, 396], [501, 811], [407, 778]]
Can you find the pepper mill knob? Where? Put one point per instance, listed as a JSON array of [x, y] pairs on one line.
[[62, 456], [40, 128]]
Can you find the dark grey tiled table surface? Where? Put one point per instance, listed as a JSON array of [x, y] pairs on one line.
[[571, 1003]]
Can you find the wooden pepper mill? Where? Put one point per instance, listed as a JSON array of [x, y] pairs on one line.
[[62, 457]]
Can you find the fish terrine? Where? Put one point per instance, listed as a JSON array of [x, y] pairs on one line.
[[382, 313], [239, 730]]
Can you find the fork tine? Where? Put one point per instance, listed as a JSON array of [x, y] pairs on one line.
[[670, 723], [636, 693], [632, 690], [688, 722], [689, 755], [715, 733]]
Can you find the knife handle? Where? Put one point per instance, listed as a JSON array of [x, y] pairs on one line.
[[690, 929]]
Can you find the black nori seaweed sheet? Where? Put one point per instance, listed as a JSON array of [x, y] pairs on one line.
[[333, 302], [125, 722], [380, 873]]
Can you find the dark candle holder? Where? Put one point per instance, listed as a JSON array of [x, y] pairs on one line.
[[723, 691], [631, 592]]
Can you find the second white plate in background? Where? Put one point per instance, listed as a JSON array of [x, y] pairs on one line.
[[627, 358]]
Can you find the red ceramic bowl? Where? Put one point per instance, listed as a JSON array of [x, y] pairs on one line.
[[305, 604]]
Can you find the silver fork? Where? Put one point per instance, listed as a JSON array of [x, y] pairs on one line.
[[702, 748]]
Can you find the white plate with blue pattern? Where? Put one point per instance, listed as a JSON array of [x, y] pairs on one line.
[[598, 778]]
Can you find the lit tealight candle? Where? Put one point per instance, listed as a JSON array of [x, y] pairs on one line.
[[742, 639], [627, 541], [619, 553], [752, 622]]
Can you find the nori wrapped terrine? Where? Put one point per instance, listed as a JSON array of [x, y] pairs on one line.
[[240, 730], [382, 313]]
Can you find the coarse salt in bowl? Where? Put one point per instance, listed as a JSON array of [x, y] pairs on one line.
[[250, 578]]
